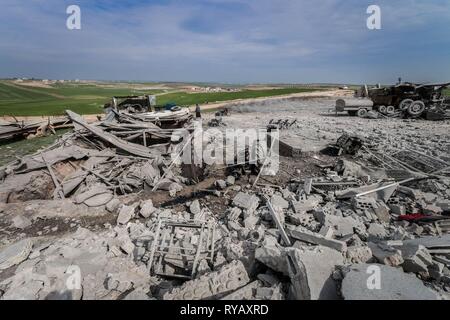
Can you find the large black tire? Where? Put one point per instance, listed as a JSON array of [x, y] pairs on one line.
[[362, 113], [416, 108], [382, 109], [390, 110], [405, 104]]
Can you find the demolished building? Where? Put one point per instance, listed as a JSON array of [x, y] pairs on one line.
[[107, 201]]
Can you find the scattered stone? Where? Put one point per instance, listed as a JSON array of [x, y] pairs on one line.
[[221, 184], [306, 205], [342, 226], [231, 180], [125, 214], [246, 201], [113, 205], [279, 202], [377, 232], [195, 208], [359, 254], [21, 222], [147, 209], [386, 254]]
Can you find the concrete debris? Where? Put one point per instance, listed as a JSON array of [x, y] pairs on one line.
[[113, 205], [214, 285], [221, 184], [310, 271], [273, 257], [15, 253], [195, 207], [147, 209], [113, 201], [246, 201], [125, 214], [392, 284], [359, 254], [385, 254], [279, 202], [305, 235], [416, 258]]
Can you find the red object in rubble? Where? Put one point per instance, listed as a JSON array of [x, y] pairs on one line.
[[412, 217]]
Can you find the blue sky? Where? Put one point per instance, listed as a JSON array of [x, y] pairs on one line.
[[233, 41]]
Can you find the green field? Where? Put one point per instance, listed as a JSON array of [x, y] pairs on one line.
[[182, 98], [447, 92], [21, 100], [32, 101]]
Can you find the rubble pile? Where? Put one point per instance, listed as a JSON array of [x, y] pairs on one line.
[[93, 164], [361, 221]]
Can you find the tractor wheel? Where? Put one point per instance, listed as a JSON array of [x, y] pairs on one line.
[[416, 108], [390, 109], [405, 104], [382, 109], [362, 113]]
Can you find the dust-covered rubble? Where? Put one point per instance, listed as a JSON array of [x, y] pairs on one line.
[[133, 225]]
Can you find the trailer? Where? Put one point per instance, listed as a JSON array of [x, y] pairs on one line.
[[354, 106]]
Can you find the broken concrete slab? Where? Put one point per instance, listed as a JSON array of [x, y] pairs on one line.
[[147, 208], [303, 206], [245, 201], [434, 242], [230, 180], [381, 282], [213, 285], [15, 253], [279, 202], [95, 196], [195, 208], [416, 258], [245, 293], [377, 232], [125, 214], [113, 205], [273, 257], [359, 254], [342, 226], [305, 235], [310, 270], [386, 254], [221, 184]]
